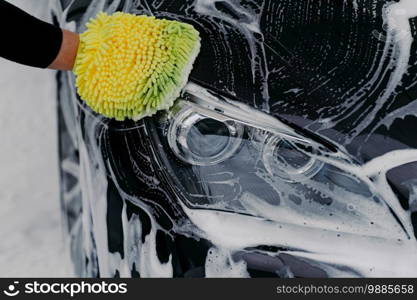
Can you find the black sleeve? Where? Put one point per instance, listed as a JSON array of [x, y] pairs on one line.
[[26, 39]]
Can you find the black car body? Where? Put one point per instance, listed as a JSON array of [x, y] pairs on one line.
[[292, 151]]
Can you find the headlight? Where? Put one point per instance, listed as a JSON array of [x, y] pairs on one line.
[[220, 154]]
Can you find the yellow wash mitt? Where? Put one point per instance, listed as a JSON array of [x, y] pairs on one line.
[[131, 66]]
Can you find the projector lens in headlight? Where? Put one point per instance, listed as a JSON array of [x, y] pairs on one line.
[[283, 159], [203, 141]]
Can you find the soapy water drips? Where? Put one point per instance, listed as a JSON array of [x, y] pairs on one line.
[[397, 50], [385, 250]]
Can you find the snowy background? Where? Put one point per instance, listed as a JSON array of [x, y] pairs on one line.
[[31, 243]]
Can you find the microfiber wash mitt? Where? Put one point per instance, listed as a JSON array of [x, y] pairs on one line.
[[131, 66]]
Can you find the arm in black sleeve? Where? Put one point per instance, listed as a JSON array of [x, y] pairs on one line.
[[26, 39]]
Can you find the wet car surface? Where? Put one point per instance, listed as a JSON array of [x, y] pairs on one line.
[[290, 153]]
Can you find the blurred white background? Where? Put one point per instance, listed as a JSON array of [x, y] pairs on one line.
[[31, 243]]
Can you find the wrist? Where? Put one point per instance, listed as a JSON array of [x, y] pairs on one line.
[[68, 52]]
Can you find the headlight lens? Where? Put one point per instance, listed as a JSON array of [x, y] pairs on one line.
[[219, 154]]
